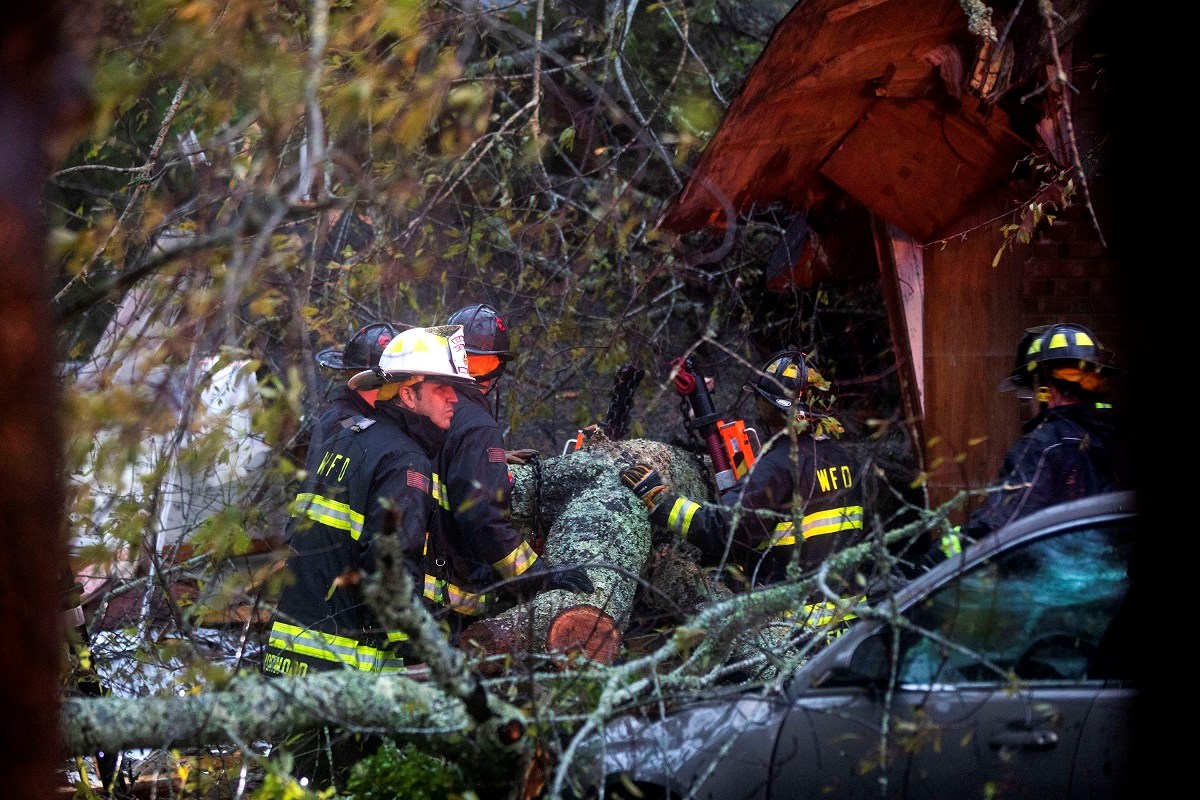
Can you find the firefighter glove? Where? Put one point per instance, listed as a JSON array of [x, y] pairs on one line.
[[542, 577], [644, 481], [520, 457], [572, 579], [483, 575]]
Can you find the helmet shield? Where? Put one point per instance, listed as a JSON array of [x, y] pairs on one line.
[[486, 338], [436, 354], [363, 350]]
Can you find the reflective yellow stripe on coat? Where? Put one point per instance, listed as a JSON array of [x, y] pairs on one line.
[[821, 523], [337, 649], [816, 524], [328, 512], [439, 492], [516, 562], [782, 536]]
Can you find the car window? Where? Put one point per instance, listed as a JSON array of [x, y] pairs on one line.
[[1050, 609]]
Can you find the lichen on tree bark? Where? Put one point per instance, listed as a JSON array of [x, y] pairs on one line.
[[592, 520]]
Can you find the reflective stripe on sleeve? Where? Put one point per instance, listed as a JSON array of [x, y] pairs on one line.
[[680, 518], [464, 602], [328, 512], [444, 593], [782, 536], [516, 562], [832, 521], [337, 649]]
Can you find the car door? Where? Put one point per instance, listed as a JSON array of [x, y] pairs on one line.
[[999, 691]]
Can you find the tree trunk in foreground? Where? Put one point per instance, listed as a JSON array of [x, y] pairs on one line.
[[40, 104], [593, 520]]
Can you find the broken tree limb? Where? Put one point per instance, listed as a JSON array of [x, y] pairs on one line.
[[252, 707], [393, 596], [595, 521]]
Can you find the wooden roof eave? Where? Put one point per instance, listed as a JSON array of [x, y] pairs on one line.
[[843, 58]]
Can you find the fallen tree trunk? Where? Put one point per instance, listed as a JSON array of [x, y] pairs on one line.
[[255, 707], [593, 520]]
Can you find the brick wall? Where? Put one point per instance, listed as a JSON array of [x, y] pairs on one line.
[[1067, 275]]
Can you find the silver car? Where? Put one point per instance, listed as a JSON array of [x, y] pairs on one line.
[[1007, 673]]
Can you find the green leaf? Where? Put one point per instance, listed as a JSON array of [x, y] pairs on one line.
[[566, 139]]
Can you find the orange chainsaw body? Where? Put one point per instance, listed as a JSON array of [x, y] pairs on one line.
[[741, 443]]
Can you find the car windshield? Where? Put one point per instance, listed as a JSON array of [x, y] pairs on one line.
[[1055, 597]]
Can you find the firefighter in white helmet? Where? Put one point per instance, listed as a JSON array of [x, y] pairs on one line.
[[372, 475]]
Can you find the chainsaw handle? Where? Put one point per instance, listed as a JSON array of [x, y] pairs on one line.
[[685, 381], [705, 418]]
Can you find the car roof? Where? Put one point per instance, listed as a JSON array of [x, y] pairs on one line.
[[1099, 507]]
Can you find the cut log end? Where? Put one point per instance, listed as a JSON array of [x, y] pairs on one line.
[[578, 631], [489, 636], [586, 631]]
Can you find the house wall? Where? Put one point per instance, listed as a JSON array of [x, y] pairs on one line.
[[1068, 273], [972, 323]]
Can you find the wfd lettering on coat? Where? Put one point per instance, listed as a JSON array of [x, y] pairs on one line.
[[828, 478], [329, 465]]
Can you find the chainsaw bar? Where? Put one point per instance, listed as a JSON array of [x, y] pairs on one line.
[[625, 384]]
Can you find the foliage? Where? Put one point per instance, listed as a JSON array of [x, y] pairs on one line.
[[1056, 190], [262, 180], [278, 784], [405, 773]]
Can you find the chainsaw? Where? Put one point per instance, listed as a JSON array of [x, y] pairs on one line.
[[616, 421], [731, 445]]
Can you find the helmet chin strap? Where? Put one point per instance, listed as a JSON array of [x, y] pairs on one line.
[[493, 397]]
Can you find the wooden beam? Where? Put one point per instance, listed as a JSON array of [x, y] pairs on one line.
[[901, 273]]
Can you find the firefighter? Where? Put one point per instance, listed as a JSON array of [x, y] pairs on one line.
[[1071, 448], [475, 545], [361, 352], [802, 490], [370, 475]]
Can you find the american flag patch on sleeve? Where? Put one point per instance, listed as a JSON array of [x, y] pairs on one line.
[[417, 480], [497, 455]]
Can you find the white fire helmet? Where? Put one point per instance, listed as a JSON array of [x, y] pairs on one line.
[[438, 353]]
